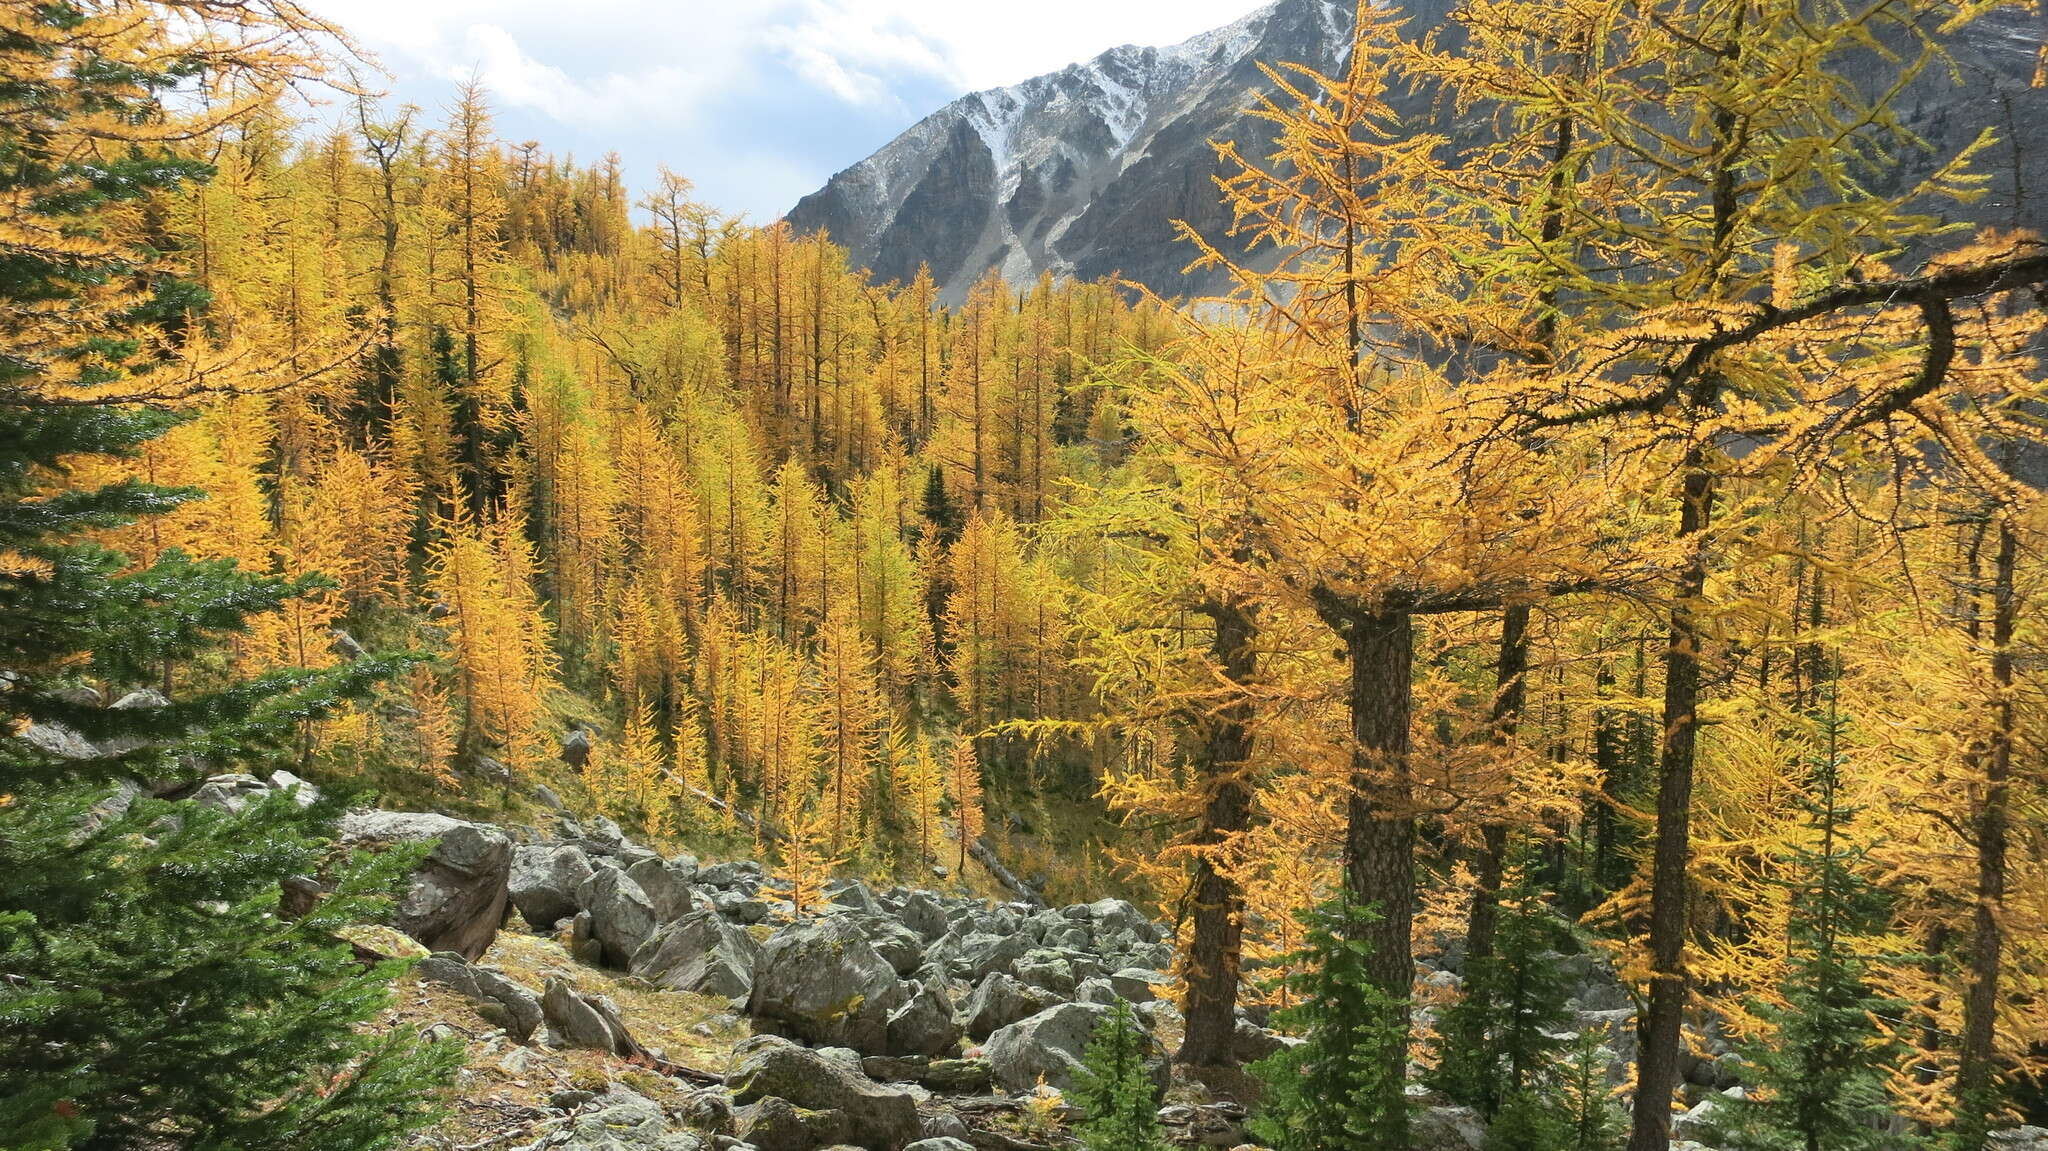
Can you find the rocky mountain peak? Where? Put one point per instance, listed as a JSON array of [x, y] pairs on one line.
[[1082, 171], [1078, 171]]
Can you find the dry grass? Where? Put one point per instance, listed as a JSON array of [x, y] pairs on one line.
[[498, 1103]]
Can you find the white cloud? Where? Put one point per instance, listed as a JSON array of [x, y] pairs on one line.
[[978, 45], [515, 78], [758, 100], [854, 54]]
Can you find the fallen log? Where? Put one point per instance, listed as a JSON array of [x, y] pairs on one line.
[[986, 856]]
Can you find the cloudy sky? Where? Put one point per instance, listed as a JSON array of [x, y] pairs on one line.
[[757, 101]]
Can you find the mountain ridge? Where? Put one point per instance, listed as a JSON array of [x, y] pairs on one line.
[[1078, 171], [1082, 171]]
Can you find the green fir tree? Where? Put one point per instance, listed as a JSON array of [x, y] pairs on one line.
[[1497, 1044], [1818, 1080], [1327, 1091], [1593, 1120], [151, 992], [1114, 1087]]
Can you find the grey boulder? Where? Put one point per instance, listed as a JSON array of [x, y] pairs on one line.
[[458, 895], [767, 1067], [578, 1020], [1447, 1129], [924, 1026], [821, 981], [891, 940], [702, 953], [667, 890], [58, 740], [498, 998], [623, 1120], [230, 793], [1136, 983], [998, 1002], [923, 914], [1050, 1044], [622, 918], [544, 880]]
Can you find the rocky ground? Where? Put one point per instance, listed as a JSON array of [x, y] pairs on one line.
[[614, 1000]]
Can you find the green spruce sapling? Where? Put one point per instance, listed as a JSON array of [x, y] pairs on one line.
[[1327, 1091], [1501, 1038], [1818, 1080], [1114, 1087]]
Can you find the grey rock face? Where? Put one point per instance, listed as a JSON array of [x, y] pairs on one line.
[[997, 1002], [702, 953], [622, 917], [882, 1118], [1078, 172], [1081, 171], [543, 882], [495, 994], [823, 982], [924, 1026], [578, 1020], [458, 895]]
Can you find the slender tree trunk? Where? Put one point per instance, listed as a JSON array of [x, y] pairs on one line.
[[1379, 839], [1976, 1068], [1215, 952], [1607, 757], [1379, 856], [1659, 1031], [1508, 695]]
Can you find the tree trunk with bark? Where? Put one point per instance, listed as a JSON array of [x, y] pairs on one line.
[[1379, 839], [1659, 1030], [1490, 860], [1976, 1066], [1215, 952]]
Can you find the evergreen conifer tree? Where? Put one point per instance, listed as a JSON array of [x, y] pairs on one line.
[[1819, 1080], [1114, 1089], [152, 993], [1329, 1091], [1592, 1118], [1496, 1043], [938, 506]]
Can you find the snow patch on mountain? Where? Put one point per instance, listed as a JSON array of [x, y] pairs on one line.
[[1083, 171]]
